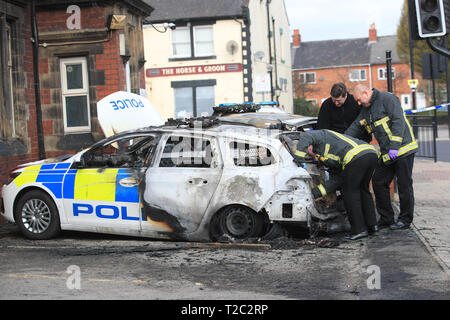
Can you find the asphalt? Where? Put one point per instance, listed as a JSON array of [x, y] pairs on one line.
[[432, 201]]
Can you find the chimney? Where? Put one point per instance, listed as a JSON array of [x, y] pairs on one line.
[[296, 39], [372, 33]]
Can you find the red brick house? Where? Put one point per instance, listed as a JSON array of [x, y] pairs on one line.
[[317, 65], [87, 50]]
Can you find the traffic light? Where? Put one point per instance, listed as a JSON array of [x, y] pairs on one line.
[[431, 17]]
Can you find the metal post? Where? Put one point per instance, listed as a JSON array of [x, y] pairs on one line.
[[447, 79], [37, 88], [269, 38], [413, 90], [389, 70]]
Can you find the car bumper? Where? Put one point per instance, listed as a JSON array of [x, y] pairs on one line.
[[6, 202]]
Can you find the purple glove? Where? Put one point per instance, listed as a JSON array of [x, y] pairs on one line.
[[393, 154]]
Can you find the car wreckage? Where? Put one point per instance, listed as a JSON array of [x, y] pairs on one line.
[[196, 179]]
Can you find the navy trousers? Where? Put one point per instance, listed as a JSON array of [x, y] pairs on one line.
[[402, 168]]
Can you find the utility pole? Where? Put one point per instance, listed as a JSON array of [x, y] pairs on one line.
[[389, 70]]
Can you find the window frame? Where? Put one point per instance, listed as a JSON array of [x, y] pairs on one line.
[[193, 85], [188, 154], [192, 42], [10, 66], [172, 42], [65, 92], [304, 74], [359, 75], [195, 40], [384, 76]]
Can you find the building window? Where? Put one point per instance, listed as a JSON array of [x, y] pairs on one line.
[[406, 101], [7, 81], [75, 95], [284, 84], [282, 46], [382, 73], [357, 75], [307, 77], [203, 41], [192, 42], [194, 98], [181, 43]]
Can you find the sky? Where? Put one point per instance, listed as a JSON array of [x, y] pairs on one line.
[[342, 19]]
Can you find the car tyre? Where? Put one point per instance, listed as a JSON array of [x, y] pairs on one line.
[[37, 216], [239, 222]]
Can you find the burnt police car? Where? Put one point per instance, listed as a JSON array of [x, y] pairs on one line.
[[190, 180]]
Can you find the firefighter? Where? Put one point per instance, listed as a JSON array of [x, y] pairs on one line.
[[353, 162], [383, 115]]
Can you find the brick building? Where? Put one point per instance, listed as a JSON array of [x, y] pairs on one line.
[[317, 65], [220, 51], [87, 50]]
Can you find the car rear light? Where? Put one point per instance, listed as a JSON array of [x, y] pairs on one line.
[[12, 176]]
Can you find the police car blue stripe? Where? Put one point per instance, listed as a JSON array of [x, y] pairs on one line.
[[55, 188], [126, 194], [47, 166], [62, 166], [69, 184]]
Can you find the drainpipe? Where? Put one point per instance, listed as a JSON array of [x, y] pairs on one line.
[[275, 58], [37, 88], [270, 47]]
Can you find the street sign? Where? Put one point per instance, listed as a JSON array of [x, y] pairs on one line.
[[413, 82]]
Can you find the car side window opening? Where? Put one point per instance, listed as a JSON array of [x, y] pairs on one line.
[[128, 152], [187, 152], [250, 155]]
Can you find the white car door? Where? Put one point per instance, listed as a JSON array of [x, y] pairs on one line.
[[103, 193], [180, 184]]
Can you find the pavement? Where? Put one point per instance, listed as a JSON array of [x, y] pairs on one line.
[[432, 202]]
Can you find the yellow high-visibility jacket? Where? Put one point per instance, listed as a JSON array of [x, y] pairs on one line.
[[386, 119], [334, 150]]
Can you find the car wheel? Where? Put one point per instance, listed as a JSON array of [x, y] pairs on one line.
[[37, 216], [240, 222]]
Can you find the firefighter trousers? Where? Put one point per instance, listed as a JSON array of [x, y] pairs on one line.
[[355, 191], [382, 178]]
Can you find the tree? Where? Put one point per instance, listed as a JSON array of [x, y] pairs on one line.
[[305, 108]]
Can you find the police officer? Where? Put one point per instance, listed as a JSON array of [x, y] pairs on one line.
[[383, 115], [354, 160]]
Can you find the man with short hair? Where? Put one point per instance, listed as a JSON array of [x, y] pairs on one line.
[[383, 115], [338, 111]]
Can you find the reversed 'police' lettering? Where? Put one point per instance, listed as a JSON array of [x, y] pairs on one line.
[[126, 103]]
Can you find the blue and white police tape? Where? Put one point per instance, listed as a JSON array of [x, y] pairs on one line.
[[427, 108]]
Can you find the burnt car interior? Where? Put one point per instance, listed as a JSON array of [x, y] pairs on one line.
[[187, 152], [126, 152], [249, 155]]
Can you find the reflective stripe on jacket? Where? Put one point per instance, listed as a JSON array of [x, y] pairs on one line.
[[334, 150], [387, 120]]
